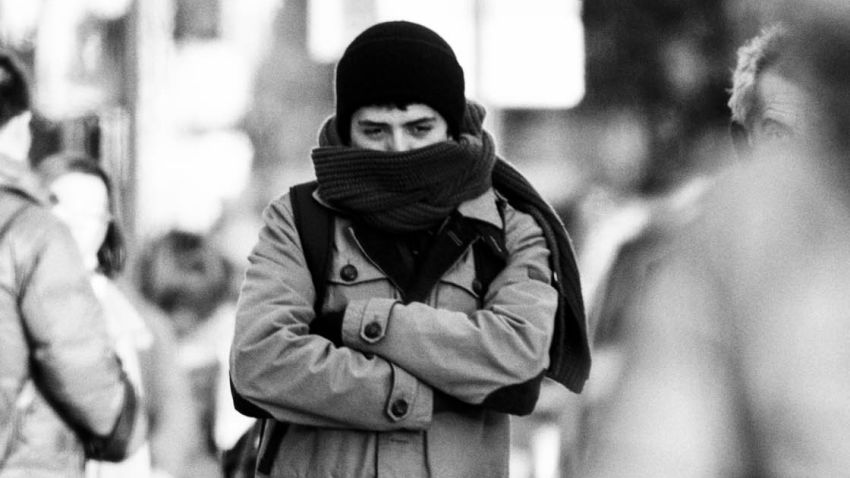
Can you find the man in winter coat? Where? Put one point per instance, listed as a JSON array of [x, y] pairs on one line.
[[412, 367], [63, 395]]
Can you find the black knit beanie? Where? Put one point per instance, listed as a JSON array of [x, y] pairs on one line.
[[399, 63]]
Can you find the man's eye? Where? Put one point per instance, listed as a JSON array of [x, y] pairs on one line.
[[422, 129], [372, 132], [776, 130]]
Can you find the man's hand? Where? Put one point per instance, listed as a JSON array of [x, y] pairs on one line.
[[447, 403], [329, 326]]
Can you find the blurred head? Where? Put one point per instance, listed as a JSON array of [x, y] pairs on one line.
[[774, 102], [81, 192], [185, 276], [767, 106], [15, 136], [395, 66]]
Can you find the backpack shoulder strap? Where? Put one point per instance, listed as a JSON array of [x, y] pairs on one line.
[[489, 253], [315, 229]]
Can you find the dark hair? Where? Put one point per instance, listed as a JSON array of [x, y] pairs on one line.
[[112, 253], [183, 270], [14, 89]]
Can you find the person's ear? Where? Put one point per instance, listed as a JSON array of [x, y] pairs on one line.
[[740, 139]]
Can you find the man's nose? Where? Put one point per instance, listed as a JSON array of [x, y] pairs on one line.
[[399, 141]]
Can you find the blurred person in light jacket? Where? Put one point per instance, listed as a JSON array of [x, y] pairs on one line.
[[63, 394], [736, 356], [82, 195]]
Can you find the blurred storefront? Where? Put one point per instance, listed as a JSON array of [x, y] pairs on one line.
[[171, 94], [154, 89]]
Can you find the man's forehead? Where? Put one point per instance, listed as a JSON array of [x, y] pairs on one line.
[[779, 95], [391, 113]]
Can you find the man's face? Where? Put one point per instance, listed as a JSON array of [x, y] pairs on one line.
[[785, 113], [389, 128]]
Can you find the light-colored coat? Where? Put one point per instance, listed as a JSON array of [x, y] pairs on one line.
[[366, 409], [56, 364]]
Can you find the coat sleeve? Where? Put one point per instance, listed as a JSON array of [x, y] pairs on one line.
[[74, 364], [302, 378], [496, 354]]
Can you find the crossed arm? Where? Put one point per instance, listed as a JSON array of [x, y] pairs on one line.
[[493, 358]]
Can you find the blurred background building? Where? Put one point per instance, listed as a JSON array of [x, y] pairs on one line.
[[205, 110], [198, 105]]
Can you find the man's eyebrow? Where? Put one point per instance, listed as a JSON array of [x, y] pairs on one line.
[[365, 122], [426, 119]]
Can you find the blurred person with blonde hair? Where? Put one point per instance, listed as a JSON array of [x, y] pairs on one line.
[[736, 362], [769, 103]]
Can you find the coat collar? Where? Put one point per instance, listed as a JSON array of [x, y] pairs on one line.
[[484, 208]]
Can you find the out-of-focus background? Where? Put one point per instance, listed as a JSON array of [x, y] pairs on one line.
[[205, 110]]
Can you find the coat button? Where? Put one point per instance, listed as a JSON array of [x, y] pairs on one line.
[[399, 407], [372, 330], [477, 286], [348, 273]]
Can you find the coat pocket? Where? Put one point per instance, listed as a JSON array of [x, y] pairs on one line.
[[352, 277]]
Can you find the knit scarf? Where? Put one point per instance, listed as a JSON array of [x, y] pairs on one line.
[[408, 191], [402, 191]]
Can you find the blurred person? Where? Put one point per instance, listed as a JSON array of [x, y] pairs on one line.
[[192, 282], [735, 356], [769, 104], [81, 192], [411, 367], [769, 108], [63, 394], [173, 439]]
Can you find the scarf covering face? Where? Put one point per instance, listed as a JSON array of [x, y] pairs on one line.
[[569, 354], [402, 191]]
